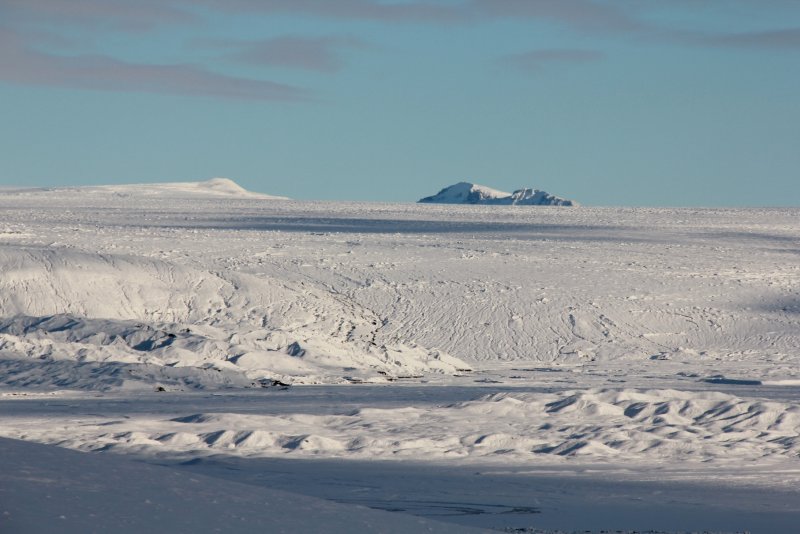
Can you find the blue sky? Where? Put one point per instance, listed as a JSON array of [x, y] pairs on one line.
[[627, 102]]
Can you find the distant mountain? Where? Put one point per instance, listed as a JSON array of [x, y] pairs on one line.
[[215, 187], [465, 193], [468, 193]]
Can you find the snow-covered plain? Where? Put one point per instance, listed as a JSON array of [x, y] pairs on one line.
[[500, 367]]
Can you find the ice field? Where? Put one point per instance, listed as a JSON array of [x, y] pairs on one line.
[[396, 367]]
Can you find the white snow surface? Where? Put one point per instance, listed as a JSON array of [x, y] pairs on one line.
[[469, 193], [591, 344], [85, 497]]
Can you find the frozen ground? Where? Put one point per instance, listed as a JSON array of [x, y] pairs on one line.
[[517, 368]]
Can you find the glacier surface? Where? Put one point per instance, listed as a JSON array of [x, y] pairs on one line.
[[626, 364]]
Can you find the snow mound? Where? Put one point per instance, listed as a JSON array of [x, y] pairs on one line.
[[469, 193]]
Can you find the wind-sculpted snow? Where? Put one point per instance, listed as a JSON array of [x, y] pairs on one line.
[[600, 425], [63, 304]]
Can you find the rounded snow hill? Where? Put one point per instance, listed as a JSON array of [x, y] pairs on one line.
[[215, 187]]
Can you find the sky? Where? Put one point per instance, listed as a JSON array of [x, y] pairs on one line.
[[626, 102]]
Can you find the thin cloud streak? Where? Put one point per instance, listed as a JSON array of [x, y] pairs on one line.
[[310, 53], [142, 15], [347, 9], [20, 65], [788, 38], [535, 60], [772, 40], [580, 14], [146, 14]]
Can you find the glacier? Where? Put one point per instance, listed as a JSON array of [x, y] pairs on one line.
[[449, 366]]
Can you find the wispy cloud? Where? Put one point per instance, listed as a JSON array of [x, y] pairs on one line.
[[774, 39], [535, 60], [142, 15], [582, 15], [23, 65], [45, 23], [420, 11], [310, 53], [579, 14]]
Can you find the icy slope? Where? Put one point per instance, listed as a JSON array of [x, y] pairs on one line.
[[468, 193], [64, 304]]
